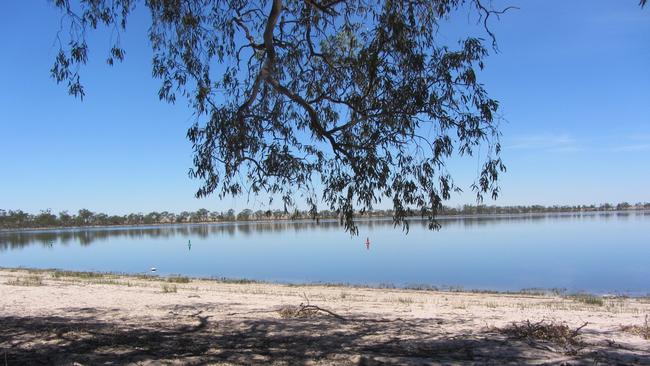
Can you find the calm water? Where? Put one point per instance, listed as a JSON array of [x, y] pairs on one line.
[[591, 252]]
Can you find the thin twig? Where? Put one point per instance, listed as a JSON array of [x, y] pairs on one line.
[[575, 332], [313, 308]]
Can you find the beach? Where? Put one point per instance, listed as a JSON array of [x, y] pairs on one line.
[[77, 318]]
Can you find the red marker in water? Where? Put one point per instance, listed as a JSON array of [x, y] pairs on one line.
[[367, 243]]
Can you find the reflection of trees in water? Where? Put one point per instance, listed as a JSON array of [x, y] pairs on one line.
[[18, 239]]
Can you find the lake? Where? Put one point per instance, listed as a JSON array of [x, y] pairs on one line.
[[595, 252]]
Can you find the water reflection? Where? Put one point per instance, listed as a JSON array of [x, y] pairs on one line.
[[598, 252], [87, 236]]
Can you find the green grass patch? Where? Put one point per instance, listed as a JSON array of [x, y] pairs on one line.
[[586, 298], [166, 289], [405, 300], [178, 279], [421, 287], [145, 276], [108, 281], [31, 280], [78, 274], [237, 281]]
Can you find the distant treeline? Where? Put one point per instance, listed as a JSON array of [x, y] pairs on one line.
[[16, 219], [180, 234]]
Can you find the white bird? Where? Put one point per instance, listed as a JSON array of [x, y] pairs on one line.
[[153, 269]]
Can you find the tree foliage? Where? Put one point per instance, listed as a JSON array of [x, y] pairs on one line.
[[344, 103]]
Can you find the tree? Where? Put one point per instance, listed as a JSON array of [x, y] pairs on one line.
[[623, 206], [202, 215], [245, 215], [152, 217], [45, 218], [215, 216], [347, 103], [65, 218], [183, 217], [85, 217]]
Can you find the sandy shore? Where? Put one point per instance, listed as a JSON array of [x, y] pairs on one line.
[[64, 318]]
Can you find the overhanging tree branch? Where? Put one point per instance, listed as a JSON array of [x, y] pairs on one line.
[[359, 98]]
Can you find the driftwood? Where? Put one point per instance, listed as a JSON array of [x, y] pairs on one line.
[[307, 310], [558, 334]]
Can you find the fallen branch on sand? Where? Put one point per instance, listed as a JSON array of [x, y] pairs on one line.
[[558, 334], [307, 310], [642, 331]]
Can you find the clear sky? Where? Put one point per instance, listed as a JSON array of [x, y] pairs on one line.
[[572, 77]]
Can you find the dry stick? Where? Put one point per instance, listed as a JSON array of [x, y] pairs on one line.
[[251, 312], [575, 332], [530, 329], [317, 308], [314, 308], [308, 308]]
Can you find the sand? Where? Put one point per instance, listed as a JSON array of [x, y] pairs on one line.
[[54, 318]]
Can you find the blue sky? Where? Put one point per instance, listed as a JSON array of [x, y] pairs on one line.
[[572, 77]]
